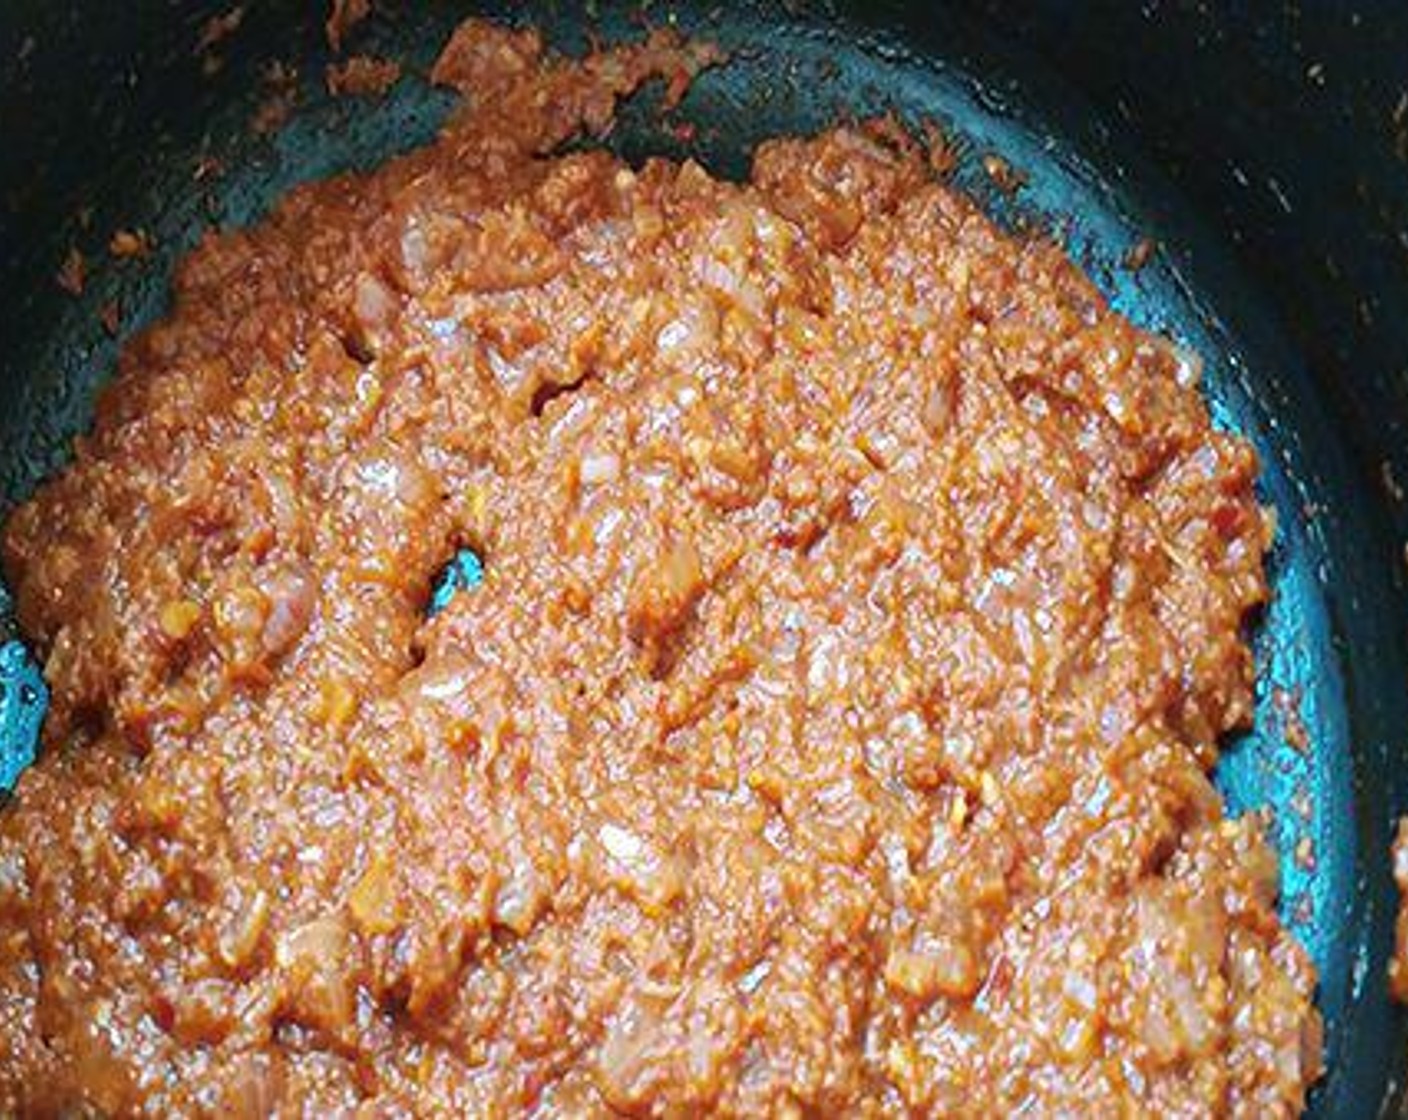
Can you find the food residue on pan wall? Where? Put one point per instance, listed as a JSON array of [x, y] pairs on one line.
[[1398, 965], [362, 75], [281, 83], [1286, 702], [1004, 176], [218, 28], [342, 18], [1139, 254], [73, 273], [214, 32], [126, 244], [1392, 487], [110, 316]]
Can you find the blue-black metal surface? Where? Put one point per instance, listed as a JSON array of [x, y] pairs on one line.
[[464, 572], [1270, 176]]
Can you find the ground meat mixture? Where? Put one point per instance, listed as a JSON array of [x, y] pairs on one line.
[[830, 735]]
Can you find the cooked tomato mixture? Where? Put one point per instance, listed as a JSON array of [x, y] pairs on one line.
[[864, 603]]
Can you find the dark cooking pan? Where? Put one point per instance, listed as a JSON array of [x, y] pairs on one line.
[[1253, 163]]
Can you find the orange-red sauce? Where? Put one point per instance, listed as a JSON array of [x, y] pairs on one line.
[[831, 735]]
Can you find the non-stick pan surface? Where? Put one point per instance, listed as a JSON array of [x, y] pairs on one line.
[[113, 118]]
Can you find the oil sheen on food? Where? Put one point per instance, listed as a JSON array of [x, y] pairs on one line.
[[863, 604]]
